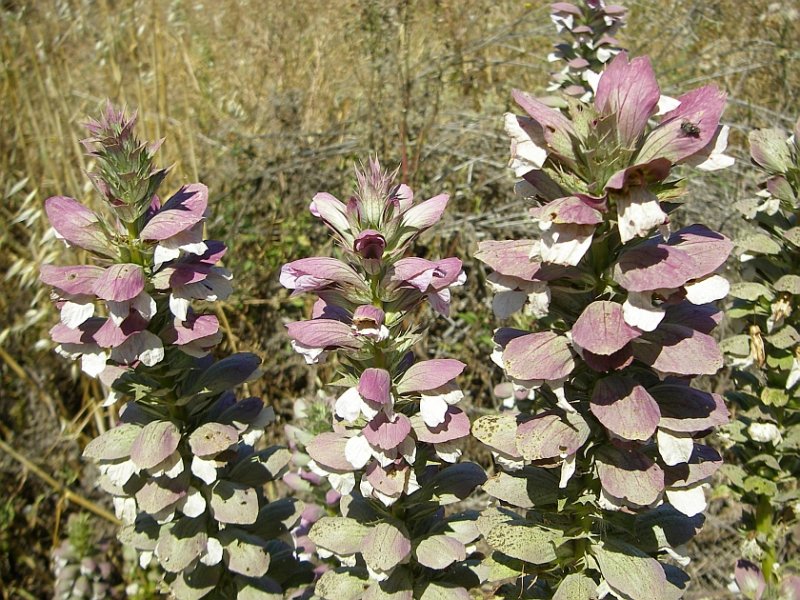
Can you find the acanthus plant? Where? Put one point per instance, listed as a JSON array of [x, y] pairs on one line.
[[603, 479], [182, 467], [396, 429], [765, 436], [589, 27]]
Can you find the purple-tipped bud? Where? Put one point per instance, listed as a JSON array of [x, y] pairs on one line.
[[370, 244]]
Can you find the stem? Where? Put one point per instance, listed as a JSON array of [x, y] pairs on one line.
[[133, 234], [764, 527]]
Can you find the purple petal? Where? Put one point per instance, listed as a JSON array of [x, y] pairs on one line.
[[601, 329], [155, 442], [322, 333], [544, 355], [425, 214], [183, 210], [612, 362], [120, 282], [323, 309], [625, 408], [327, 449], [628, 90], [687, 410], [708, 249], [316, 273], [704, 462], [110, 335], [688, 128], [630, 476], [84, 334], [429, 375], [512, 258], [370, 244], [556, 127], [649, 267], [750, 579], [679, 350], [78, 225], [367, 315], [552, 435], [456, 426], [375, 385], [567, 210], [74, 279], [195, 328], [703, 318], [386, 433]]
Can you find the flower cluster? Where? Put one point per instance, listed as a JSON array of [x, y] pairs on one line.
[[82, 566], [611, 449], [589, 28], [182, 468], [765, 436], [145, 254], [397, 423]]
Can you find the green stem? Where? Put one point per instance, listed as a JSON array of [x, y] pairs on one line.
[[133, 235], [764, 527]]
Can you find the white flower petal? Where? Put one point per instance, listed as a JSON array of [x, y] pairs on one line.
[[567, 470], [674, 448], [433, 410], [690, 501], [708, 289], [638, 311], [348, 405], [357, 451], [213, 554], [75, 313]]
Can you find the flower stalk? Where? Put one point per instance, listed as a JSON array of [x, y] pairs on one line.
[[604, 474], [393, 447]]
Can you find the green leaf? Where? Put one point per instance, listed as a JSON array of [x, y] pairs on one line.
[[340, 585], [630, 572], [760, 486], [385, 547], [738, 345], [114, 444], [758, 243], [784, 338], [792, 236], [533, 544], [528, 488], [234, 503], [789, 284], [576, 586], [774, 397], [338, 534], [750, 290], [179, 545]]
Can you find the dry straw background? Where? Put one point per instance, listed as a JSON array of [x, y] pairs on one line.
[[269, 101]]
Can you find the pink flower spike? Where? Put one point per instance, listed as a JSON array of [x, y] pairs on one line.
[[375, 385], [425, 214], [78, 225], [750, 580], [429, 375], [120, 282], [629, 91], [182, 211], [387, 433]]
